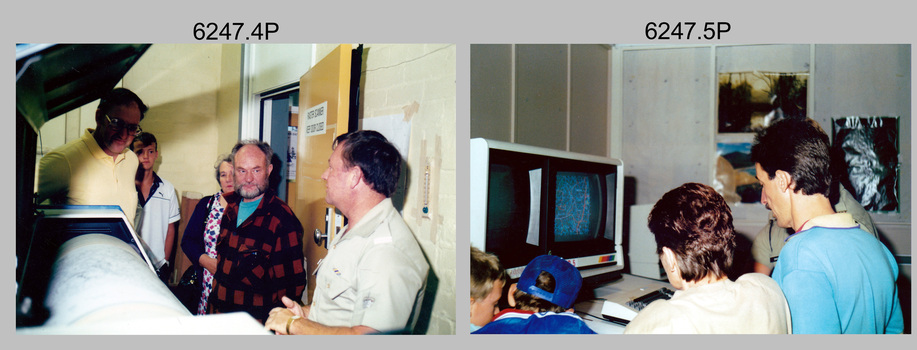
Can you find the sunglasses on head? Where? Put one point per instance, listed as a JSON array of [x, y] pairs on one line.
[[118, 124]]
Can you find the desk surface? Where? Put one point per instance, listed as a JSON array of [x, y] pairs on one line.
[[234, 323], [619, 291]]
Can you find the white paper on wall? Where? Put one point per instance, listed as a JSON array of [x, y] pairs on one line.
[[394, 128], [292, 134]]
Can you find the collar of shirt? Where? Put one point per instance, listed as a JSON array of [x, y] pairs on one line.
[[370, 221], [837, 220], [512, 313], [156, 182], [234, 202]]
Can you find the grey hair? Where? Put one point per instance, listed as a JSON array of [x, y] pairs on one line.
[[216, 166], [263, 146]]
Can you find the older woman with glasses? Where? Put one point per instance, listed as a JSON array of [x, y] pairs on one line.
[[200, 237], [695, 240]]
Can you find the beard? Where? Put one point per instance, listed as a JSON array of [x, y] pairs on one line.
[[252, 194]]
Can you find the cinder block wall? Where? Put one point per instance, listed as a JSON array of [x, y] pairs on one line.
[[418, 81], [181, 85]]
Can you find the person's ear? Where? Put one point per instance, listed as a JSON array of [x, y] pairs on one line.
[[668, 259], [356, 176], [784, 181], [671, 262], [270, 168], [509, 296]]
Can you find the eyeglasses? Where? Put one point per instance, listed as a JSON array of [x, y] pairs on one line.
[[118, 124]]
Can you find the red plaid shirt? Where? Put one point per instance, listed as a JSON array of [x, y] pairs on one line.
[[260, 261]]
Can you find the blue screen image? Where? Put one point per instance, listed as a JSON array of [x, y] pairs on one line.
[[578, 206]]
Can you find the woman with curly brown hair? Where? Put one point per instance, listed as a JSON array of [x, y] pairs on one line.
[[695, 240]]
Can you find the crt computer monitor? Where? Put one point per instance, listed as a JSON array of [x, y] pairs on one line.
[[528, 201], [578, 206]]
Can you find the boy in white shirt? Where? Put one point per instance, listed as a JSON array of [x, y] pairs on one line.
[[160, 205]]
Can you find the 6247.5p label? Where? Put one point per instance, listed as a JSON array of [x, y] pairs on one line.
[[685, 30]]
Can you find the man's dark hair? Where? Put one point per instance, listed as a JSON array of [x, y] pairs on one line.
[[798, 148], [145, 139], [695, 222], [528, 302], [377, 158], [121, 97]]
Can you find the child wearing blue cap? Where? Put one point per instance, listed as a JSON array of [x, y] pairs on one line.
[[542, 301]]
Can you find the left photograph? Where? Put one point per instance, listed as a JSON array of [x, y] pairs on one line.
[[235, 189]]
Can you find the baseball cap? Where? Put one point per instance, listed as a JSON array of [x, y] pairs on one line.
[[567, 280]]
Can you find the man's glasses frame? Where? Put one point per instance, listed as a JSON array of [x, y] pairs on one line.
[[118, 124]]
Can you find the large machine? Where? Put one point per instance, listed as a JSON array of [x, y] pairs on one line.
[[86, 264], [82, 269], [89, 273]]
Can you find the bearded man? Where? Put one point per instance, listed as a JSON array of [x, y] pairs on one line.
[[259, 250]]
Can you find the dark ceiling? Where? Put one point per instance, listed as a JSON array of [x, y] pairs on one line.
[[54, 79]]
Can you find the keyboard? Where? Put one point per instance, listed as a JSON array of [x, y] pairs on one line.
[[617, 313], [642, 301], [622, 314]]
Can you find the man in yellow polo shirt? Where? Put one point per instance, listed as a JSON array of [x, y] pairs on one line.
[[98, 168]]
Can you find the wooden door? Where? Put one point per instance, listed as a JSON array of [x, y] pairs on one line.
[[326, 82]]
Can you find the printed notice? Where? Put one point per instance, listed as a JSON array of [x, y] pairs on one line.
[[292, 134], [313, 121]]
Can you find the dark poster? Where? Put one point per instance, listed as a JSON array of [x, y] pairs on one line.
[[866, 153]]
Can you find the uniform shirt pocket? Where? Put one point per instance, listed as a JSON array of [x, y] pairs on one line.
[[338, 287]]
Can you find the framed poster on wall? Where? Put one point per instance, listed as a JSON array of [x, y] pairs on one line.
[[750, 101], [866, 154]]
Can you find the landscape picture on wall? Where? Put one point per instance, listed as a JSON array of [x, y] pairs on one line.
[[749, 101]]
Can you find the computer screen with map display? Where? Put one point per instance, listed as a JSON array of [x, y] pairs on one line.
[[528, 201], [577, 206]]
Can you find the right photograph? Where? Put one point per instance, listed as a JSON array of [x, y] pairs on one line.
[[690, 189]]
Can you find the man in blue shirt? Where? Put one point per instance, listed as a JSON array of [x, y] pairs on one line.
[[837, 278]]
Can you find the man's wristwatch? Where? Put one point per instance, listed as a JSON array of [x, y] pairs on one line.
[[290, 321]]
